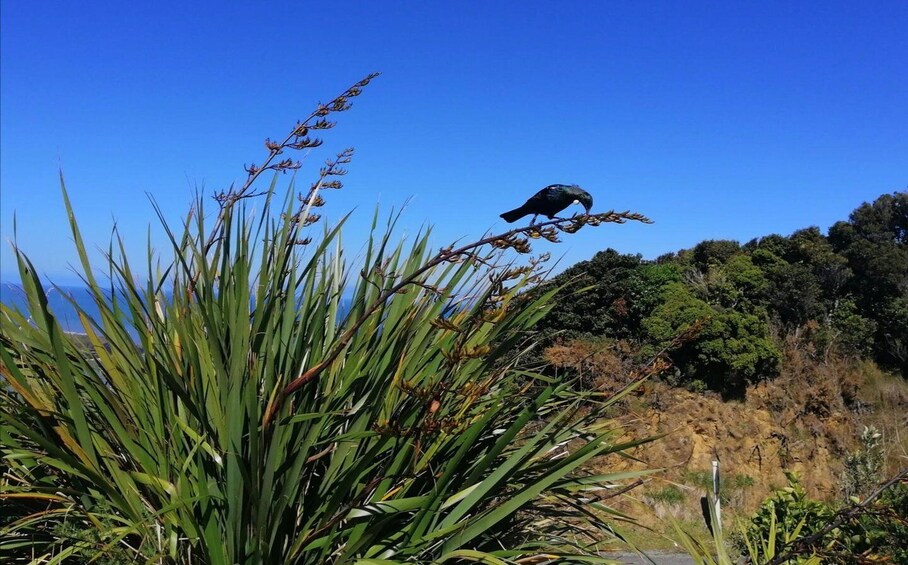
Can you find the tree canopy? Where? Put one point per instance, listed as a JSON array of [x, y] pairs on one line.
[[849, 286]]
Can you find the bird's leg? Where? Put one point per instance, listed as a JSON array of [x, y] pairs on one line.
[[533, 221]]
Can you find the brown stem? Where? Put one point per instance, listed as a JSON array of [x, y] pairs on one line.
[[234, 196], [441, 257]]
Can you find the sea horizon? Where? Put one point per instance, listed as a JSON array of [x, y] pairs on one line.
[[60, 300]]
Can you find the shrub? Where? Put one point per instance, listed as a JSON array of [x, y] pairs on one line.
[[714, 252], [864, 467], [791, 529], [697, 386], [783, 517], [868, 531]]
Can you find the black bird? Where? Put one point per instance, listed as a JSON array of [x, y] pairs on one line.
[[549, 201]]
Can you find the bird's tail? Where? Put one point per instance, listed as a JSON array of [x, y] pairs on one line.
[[515, 214]]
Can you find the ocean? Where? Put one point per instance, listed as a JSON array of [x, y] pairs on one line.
[[12, 295], [58, 300]]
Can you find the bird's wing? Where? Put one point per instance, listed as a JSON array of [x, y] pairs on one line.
[[548, 192]]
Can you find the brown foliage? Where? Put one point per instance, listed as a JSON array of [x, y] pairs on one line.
[[602, 365], [809, 385]]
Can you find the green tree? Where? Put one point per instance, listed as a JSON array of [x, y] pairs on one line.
[[748, 281], [805, 276], [794, 295], [812, 248], [642, 292], [774, 244], [874, 241], [595, 304], [732, 349], [849, 330], [714, 252]]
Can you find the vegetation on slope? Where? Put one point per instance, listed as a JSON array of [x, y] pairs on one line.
[[792, 332], [847, 291]]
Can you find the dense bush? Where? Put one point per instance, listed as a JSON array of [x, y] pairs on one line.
[[731, 350], [886, 526], [597, 302], [848, 290], [875, 243]]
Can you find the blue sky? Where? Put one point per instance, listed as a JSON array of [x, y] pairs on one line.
[[718, 120]]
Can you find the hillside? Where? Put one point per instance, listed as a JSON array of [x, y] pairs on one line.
[[795, 344]]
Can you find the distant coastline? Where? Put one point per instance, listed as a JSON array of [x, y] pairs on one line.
[[60, 300]]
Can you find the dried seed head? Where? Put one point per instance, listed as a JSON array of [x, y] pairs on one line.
[[452, 356], [493, 315], [445, 324], [366, 80], [286, 165], [519, 244], [515, 273], [476, 352], [542, 258], [304, 143], [340, 104]]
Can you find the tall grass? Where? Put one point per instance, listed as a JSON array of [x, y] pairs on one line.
[[259, 400]]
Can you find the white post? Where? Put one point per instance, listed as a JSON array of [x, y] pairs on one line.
[[717, 505]]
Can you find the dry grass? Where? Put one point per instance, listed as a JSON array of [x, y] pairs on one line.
[[806, 420], [885, 397], [604, 365]]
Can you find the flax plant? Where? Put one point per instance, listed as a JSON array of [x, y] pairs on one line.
[[261, 398]]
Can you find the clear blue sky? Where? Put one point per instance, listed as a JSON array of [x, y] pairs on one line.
[[717, 119]]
